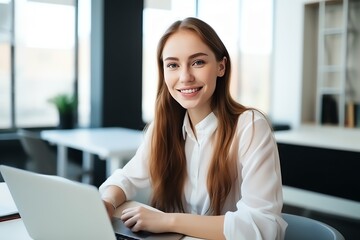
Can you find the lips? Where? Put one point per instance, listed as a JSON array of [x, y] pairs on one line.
[[189, 90]]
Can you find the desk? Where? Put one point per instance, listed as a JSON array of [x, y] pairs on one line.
[[115, 145], [320, 167], [15, 229], [328, 137]]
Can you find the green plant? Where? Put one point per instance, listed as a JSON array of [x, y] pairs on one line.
[[64, 103]]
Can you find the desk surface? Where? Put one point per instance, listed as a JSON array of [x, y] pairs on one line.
[[105, 142], [328, 137], [7, 205], [325, 137]]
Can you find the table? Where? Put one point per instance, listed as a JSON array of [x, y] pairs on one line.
[[113, 144], [312, 141], [328, 137], [15, 229]]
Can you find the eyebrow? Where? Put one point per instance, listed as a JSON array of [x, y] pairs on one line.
[[190, 57]]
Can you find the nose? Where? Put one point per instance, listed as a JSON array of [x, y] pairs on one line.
[[186, 75]]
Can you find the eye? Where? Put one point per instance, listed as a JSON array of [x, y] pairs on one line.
[[198, 62], [171, 65]]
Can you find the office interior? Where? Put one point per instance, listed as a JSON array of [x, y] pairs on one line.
[[108, 76]]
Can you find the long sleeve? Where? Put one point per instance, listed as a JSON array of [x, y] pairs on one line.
[[258, 212], [135, 174]]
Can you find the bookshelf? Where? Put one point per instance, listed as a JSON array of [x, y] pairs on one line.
[[331, 76]]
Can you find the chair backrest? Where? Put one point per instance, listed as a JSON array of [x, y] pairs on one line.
[[43, 159], [303, 228]]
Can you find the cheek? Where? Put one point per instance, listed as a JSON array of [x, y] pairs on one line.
[[212, 80], [212, 87], [169, 86], [169, 80]]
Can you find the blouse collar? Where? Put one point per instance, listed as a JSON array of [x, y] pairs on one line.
[[204, 128]]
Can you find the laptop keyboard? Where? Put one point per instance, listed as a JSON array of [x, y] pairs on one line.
[[122, 237]]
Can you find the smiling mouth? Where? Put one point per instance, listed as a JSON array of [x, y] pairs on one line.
[[190, 90]]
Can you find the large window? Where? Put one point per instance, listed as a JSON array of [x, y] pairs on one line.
[[245, 26], [38, 60], [44, 59]]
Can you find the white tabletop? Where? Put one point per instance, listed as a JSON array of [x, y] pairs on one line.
[[7, 205], [329, 137], [14, 230], [113, 144], [104, 142]]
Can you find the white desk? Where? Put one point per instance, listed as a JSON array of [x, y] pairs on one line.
[[15, 229], [7, 205], [326, 137], [115, 145]]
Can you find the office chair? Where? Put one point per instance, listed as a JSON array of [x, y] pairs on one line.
[[303, 228], [42, 159]]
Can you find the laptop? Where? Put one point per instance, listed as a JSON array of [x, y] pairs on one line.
[[55, 208]]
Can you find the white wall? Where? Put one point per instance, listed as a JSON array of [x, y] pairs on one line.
[[287, 61]]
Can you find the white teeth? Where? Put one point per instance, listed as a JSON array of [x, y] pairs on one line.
[[189, 90]]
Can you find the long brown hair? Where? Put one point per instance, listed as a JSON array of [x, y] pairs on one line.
[[167, 156]]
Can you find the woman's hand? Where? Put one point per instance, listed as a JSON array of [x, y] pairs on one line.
[[144, 219]]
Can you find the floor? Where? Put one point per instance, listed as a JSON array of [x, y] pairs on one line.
[[350, 228]]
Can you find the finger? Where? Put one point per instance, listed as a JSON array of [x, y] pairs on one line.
[[132, 209], [129, 212], [138, 226], [126, 215], [130, 222]]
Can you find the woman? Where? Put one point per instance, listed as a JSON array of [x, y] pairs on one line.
[[211, 163]]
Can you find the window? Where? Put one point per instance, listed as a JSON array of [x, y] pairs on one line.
[[44, 59], [255, 46], [37, 61], [244, 26], [5, 63]]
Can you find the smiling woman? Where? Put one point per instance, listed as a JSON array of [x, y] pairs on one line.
[[211, 164]]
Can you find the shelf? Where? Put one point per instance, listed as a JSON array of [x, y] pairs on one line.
[[331, 77], [331, 68], [333, 31], [330, 91]]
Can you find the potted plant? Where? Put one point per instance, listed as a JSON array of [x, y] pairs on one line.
[[66, 105]]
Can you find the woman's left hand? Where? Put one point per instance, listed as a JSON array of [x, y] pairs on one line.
[[144, 219]]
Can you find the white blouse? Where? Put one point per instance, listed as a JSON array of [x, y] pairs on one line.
[[253, 207]]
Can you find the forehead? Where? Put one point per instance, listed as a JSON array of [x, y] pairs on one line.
[[184, 43]]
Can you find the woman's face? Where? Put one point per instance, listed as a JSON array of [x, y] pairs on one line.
[[190, 72]]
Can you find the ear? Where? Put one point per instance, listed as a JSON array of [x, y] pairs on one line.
[[222, 67]]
